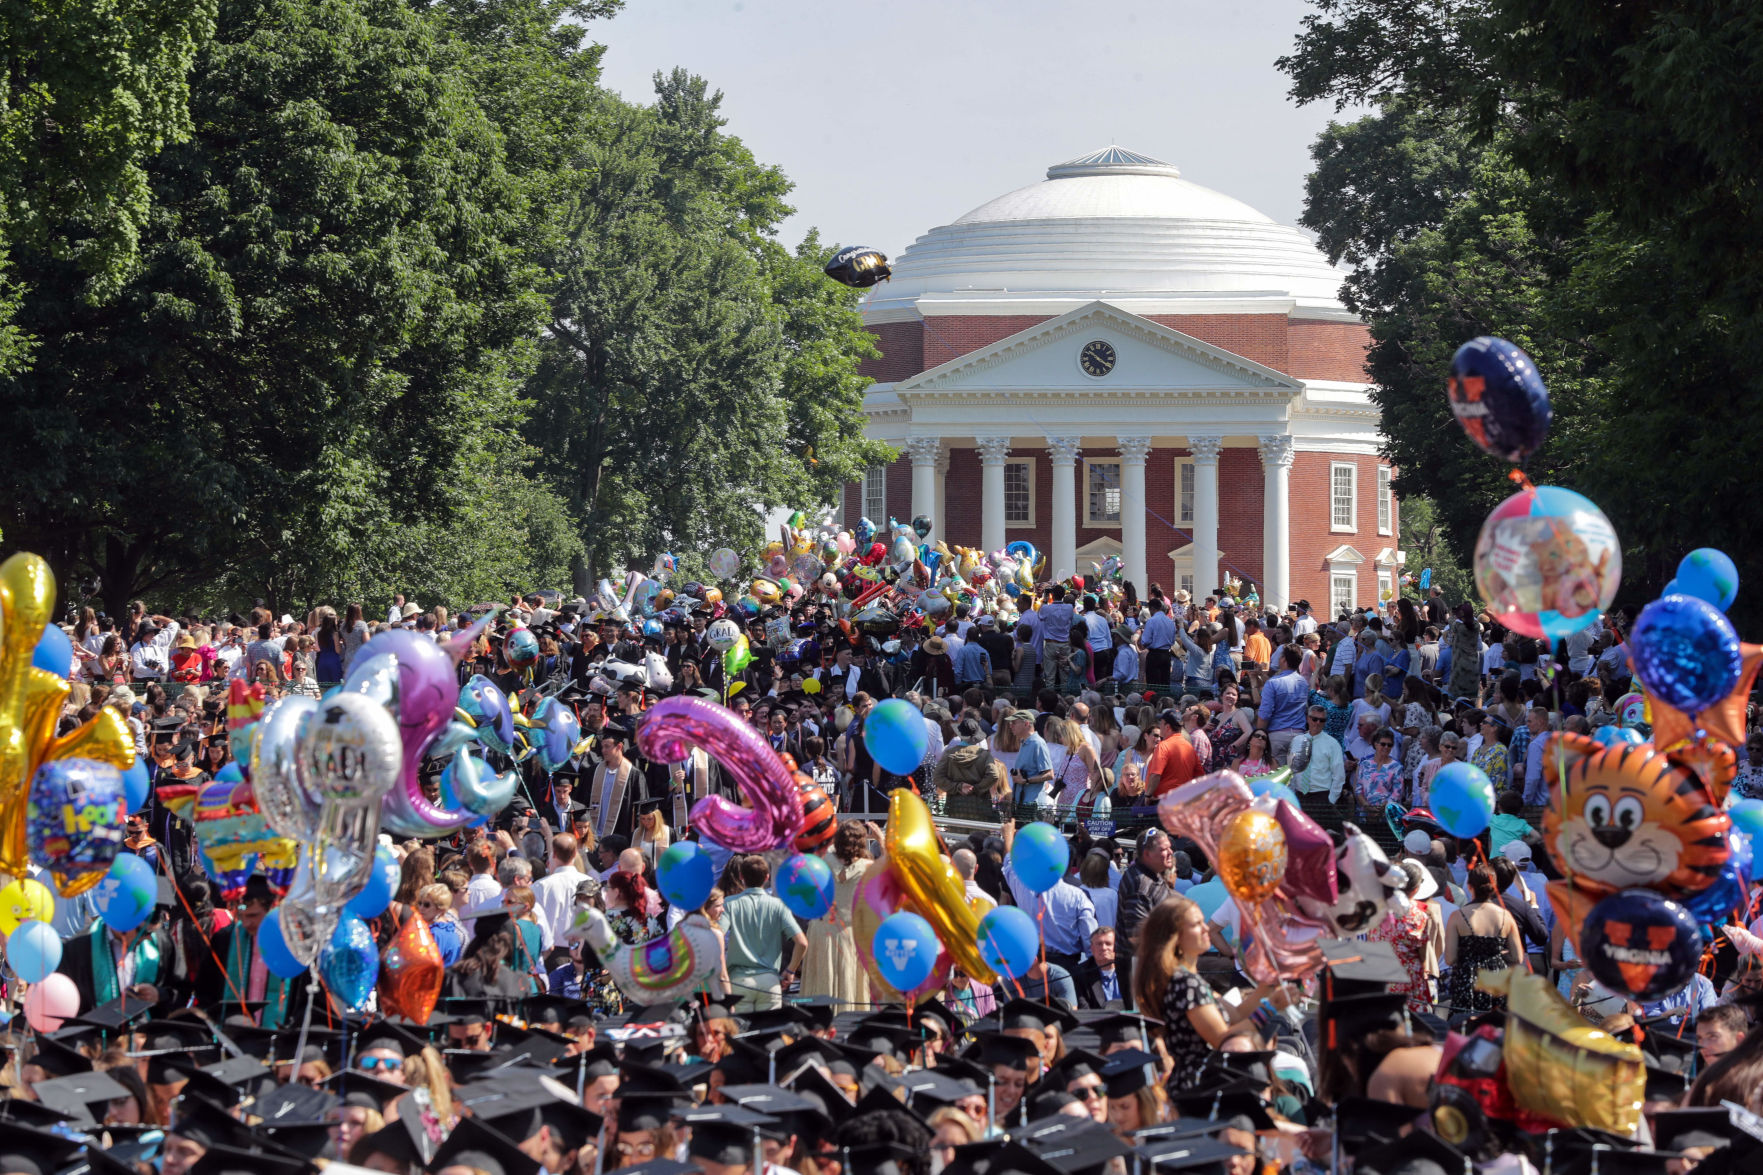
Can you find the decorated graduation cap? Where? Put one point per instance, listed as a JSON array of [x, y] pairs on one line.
[[477, 1146]]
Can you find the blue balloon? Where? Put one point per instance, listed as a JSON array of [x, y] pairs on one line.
[[1641, 943], [805, 885], [896, 736], [1008, 941], [1747, 816], [1685, 651], [350, 962], [1462, 798], [54, 652], [34, 950], [1708, 574], [126, 895], [1498, 398], [685, 875], [1040, 856], [1714, 905], [1618, 736], [1426, 579], [274, 948], [1740, 844], [382, 883], [136, 786], [905, 950]]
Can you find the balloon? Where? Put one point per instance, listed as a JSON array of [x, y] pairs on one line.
[[895, 736], [280, 797], [921, 525], [820, 818], [272, 947], [244, 708], [1310, 869], [723, 563], [350, 963], [1642, 943], [905, 950], [23, 900], [1008, 941], [54, 652], [673, 726], [1198, 808], [1039, 856], [1280, 941], [685, 875], [1498, 398], [1685, 651], [931, 887], [521, 649], [126, 894], [411, 972], [738, 657], [1252, 855], [667, 968], [1547, 562], [559, 732], [723, 634], [805, 885], [1747, 816], [33, 950], [487, 707], [50, 1003], [1617, 736], [858, 266], [30, 705], [1462, 798], [74, 822], [878, 897], [136, 785], [376, 892], [1370, 887], [232, 836], [469, 783], [1708, 574], [1740, 844]]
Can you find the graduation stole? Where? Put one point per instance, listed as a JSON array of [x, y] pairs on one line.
[[105, 987], [238, 973], [606, 808], [697, 787]]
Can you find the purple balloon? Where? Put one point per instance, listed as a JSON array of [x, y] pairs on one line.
[[675, 725]]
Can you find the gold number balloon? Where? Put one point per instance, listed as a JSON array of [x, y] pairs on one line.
[[1252, 855], [30, 705], [932, 888]]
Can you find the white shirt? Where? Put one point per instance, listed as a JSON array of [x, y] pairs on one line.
[[1304, 624], [481, 891], [139, 658], [554, 894], [1493, 659], [394, 614]]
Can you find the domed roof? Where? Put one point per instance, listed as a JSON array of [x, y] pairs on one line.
[[1119, 225]]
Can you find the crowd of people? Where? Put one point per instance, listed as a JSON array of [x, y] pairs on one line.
[[1134, 1043]]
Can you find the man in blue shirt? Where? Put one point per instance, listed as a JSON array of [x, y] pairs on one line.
[[1158, 637], [1056, 619], [1369, 661], [1126, 658], [1034, 762], [973, 665], [1284, 699]]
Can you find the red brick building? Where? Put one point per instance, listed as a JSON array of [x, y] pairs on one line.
[[1116, 361]]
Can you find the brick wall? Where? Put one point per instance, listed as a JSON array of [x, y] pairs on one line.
[[1328, 350], [1261, 337], [902, 352], [1312, 538]]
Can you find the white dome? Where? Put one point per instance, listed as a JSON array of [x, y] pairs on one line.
[[1119, 225]]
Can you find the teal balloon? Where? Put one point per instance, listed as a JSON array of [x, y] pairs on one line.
[[125, 897], [136, 785], [273, 948], [685, 875], [805, 886], [896, 736], [1008, 941], [1747, 816], [54, 652], [1618, 736], [1462, 798], [34, 950], [1040, 856], [350, 963], [382, 883], [1708, 574], [905, 950]]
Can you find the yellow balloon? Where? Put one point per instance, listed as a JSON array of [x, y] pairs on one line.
[[933, 889], [22, 900], [1252, 855]]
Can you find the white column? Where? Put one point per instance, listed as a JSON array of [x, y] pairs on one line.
[[1205, 451], [992, 451], [1277, 453], [1133, 560], [1064, 451], [924, 452], [937, 516]]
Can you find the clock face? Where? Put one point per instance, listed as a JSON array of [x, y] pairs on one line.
[[1097, 358]]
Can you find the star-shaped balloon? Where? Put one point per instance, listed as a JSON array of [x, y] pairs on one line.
[[1724, 720]]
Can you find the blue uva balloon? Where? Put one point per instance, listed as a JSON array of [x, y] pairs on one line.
[[1685, 651], [1498, 398], [1641, 943], [906, 950]]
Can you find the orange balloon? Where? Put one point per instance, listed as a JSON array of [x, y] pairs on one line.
[[411, 972], [1252, 855]]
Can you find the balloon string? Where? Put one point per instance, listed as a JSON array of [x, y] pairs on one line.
[[1520, 479], [238, 996], [1500, 899]]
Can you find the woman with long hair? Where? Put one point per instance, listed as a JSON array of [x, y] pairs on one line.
[[1170, 942], [354, 635], [1106, 730], [483, 970], [1481, 936], [519, 903], [328, 665], [1255, 756], [831, 967], [652, 833], [631, 907], [1231, 724], [1074, 761], [111, 664]]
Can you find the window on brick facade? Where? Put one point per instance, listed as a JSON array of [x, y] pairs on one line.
[[1342, 593], [1019, 492], [875, 494], [1184, 492], [1384, 585], [1385, 507], [1344, 496], [1103, 499]]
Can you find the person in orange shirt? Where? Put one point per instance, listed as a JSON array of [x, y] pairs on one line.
[[1257, 649], [1175, 761]]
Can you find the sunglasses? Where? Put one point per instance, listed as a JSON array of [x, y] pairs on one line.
[[1384, 743], [369, 1064]]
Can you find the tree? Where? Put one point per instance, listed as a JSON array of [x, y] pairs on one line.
[[1428, 547]]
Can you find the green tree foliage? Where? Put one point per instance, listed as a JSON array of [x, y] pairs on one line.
[[1582, 178], [1423, 538]]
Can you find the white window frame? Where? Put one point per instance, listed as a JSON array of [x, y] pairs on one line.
[[1185, 465], [1181, 563], [1386, 584], [1343, 563], [1088, 520], [1033, 486], [1386, 506], [1352, 525], [1335, 578], [875, 488]]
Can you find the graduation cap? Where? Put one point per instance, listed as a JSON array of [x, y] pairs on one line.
[[17, 1109], [547, 1009], [531, 1046], [1354, 1016], [812, 1084], [1071, 1144], [227, 1083], [405, 1139], [822, 1052], [819, 1009], [206, 1123], [1351, 968], [1078, 1063], [690, 1073], [599, 1061], [1126, 1073], [1199, 1153], [1047, 1103], [307, 1139], [27, 1150], [384, 1034], [518, 1112], [226, 1160], [997, 1158], [1118, 1028], [879, 1038], [467, 1010], [884, 1157], [291, 1104], [117, 1159], [1236, 1104], [476, 1145], [1363, 1119], [799, 1114], [724, 1134], [787, 1018], [115, 1015], [995, 1048], [1026, 1013], [659, 1167], [746, 1063], [1700, 1126], [962, 1068], [76, 1095], [1257, 1065], [58, 1059], [938, 1087]]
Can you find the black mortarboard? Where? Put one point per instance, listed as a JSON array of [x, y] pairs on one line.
[[404, 1139], [1072, 1145], [788, 1018], [1045, 1102], [75, 1095], [294, 1103], [937, 1087], [997, 1158], [879, 1038], [111, 1017], [1026, 1013], [797, 1113], [960, 1067], [812, 1084], [1200, 1153], [26, 1150], [659, 1167], [884, 1157], [599, 1061], [531, 1046], [1352, 967], [721, 1140], [823, 1052], [559, 1010], [473, 1144], [308, 1138], [1354, 1016], [57, 1059], [1078, 1063], [351, 1083], [226, 1160], [1114, 1028], [995, 1048], [1258, 1065], [745, 1063], [1363, 1119], [16, 1109], [384, 1034], [1234, 1104], [117, 1159], [1126, 1073], [1677, 1130], [466, 1010], [519, 1111], [819, 1009], [204, 1122]]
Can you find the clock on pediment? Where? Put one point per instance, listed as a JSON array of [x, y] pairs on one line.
[[1096, 358]]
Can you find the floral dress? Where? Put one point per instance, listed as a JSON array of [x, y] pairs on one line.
[[1379, 783], [1338, 716], [1407, 935], [1491, 758], [1187, 1048], [1223, 735]]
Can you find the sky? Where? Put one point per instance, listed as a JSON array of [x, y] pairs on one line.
[[892, 118]]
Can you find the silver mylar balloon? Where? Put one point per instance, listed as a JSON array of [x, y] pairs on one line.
[[349, 754], [284, 803]]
